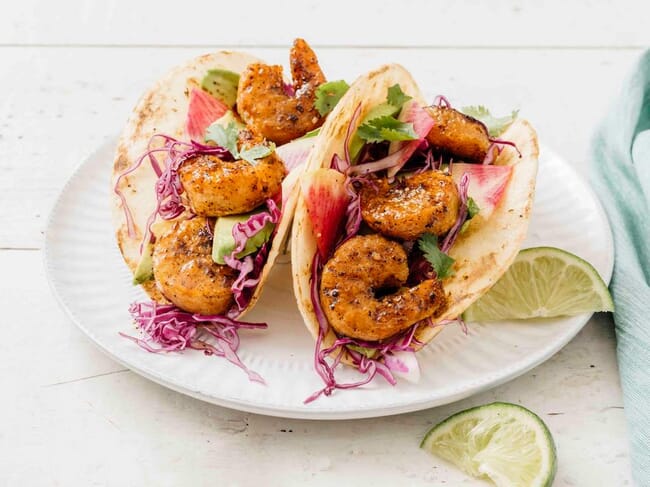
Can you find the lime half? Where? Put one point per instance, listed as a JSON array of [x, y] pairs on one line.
[[502, 442], [543, 282]]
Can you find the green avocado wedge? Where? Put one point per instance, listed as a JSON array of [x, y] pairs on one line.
[[222, 84], [144, 271], [223, 242]]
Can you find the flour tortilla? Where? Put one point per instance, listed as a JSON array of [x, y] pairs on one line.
[[482, 254], [163, 109]]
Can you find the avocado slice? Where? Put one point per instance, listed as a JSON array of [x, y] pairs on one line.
[[368, 352], [382, 110], [222, 84], [224, 243], [144, 270]]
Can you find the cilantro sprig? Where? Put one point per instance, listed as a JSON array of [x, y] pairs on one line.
[[396, 96], [495, 125], [386, 127], [441, 262], [227, 136], [328, 95]]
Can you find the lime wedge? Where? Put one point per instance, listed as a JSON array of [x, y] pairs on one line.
[[543, 282], [501, 442]]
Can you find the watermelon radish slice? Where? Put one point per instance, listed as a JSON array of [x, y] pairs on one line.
[[327, 201], [422, 122], [295, 153], [487, 184], [203, 110]]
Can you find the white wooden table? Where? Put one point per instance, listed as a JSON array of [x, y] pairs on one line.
[[70, 73]]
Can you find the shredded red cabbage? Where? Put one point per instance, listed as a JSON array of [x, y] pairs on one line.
[[451, 236], [430, 162], [492, 153], [499, 143], [420, 270], [288, 89], [369, 367], [175, 330], [250, 267], [169, 203], [387, 162], [441, 101]]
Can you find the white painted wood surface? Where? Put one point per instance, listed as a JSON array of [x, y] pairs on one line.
[[69, 76]]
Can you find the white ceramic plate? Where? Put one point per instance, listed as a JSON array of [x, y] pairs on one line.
[[93, 285]]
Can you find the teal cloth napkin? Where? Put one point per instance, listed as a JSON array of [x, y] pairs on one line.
[[621, 177]]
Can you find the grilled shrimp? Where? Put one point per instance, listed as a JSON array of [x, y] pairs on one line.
[[185, 272], [216, 187], [267, 107], [425, 202], [457, 134], [362, 291]]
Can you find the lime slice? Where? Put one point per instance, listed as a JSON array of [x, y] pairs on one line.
[[502, 442], [541, 283]]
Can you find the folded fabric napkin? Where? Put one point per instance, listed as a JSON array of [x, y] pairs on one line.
[[621, 177]]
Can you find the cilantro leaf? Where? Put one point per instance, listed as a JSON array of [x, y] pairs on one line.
[[396, 96], [440, 261], [386, 128], [256, 152], [328, 95], [472, 208], [225, 137], [380, 110], [495, 125]]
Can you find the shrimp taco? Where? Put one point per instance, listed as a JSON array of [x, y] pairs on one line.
[[204, 178], [407, 214]]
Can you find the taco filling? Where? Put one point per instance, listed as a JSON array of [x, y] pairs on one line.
[[221, 203], [411, 180]]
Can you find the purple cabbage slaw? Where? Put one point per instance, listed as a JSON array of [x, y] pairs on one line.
[[175, 330], [167, 325], [250, 267], [452, 234], [169, 189]]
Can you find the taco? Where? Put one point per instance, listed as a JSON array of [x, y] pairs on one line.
[[407, 214], [203, 179]]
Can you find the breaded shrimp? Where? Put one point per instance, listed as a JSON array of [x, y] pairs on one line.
[[185, 272], [362, 290], [266, 106], [217, 188], [458, 135], [421, 203]]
